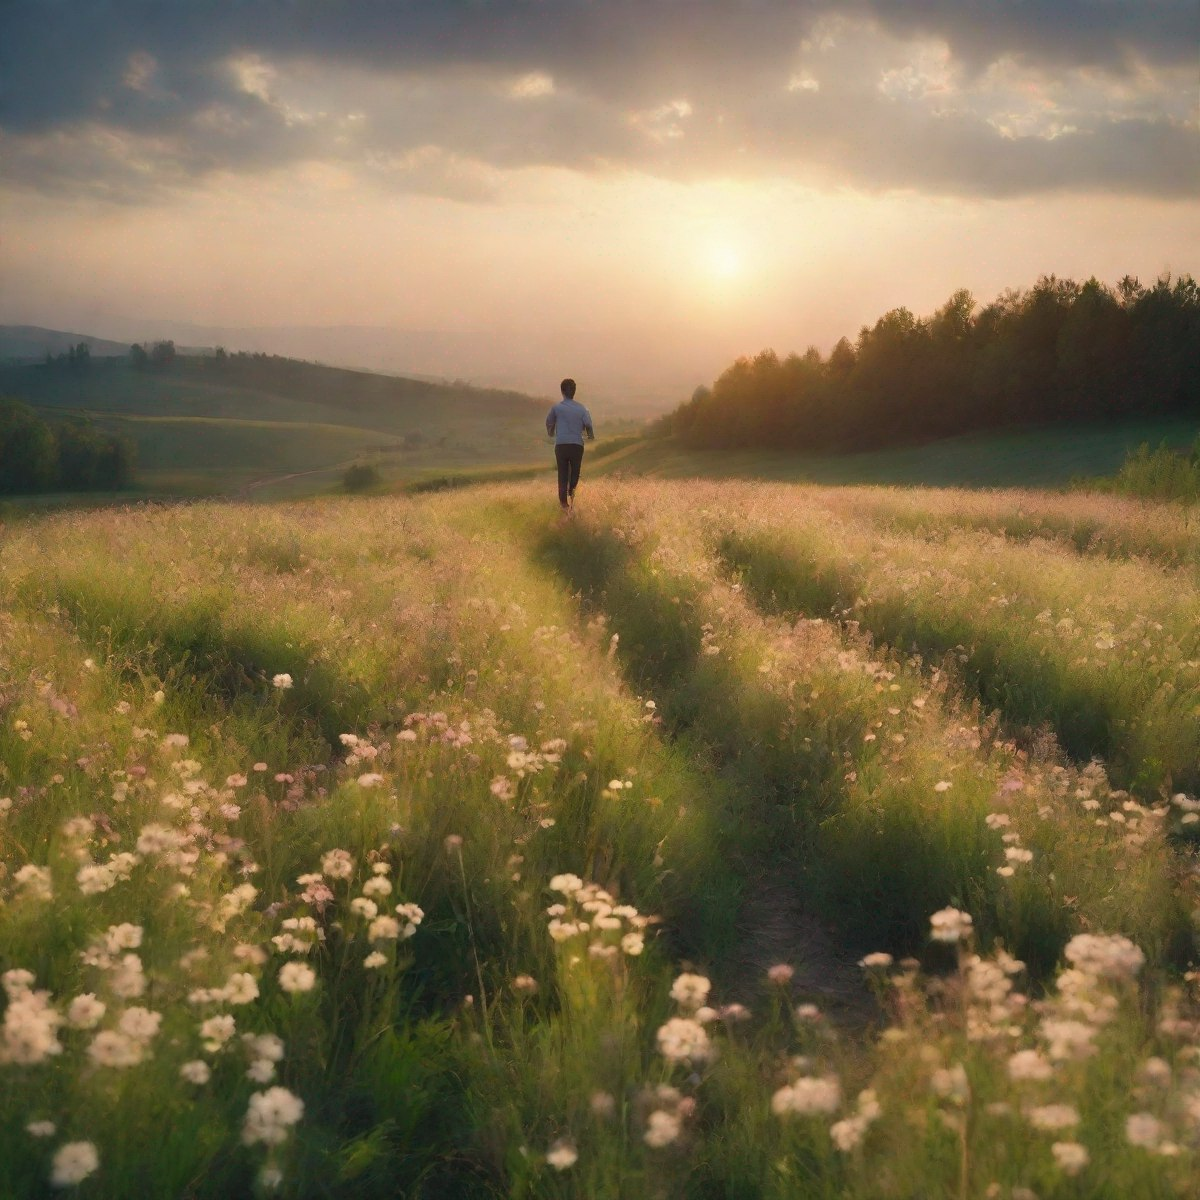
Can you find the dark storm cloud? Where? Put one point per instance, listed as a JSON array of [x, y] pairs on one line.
[[124, 98]]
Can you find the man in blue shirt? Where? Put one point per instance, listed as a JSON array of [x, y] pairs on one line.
[[566, 423]]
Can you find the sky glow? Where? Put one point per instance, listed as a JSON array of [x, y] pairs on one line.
[[633, 193]]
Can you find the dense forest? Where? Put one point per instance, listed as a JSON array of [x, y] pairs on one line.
[[1058, 352], [74, 456]]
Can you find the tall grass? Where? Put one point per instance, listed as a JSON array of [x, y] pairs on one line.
[[463, 828], [1161, 474]]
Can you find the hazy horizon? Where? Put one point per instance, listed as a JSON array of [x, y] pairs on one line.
[[634, 194]]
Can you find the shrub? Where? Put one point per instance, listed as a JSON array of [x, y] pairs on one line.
[[361, 477]]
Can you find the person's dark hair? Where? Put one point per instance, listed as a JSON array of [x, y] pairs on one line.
[[568, 388]]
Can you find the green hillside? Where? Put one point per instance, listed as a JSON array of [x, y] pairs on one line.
[[32, 343], [1040, 457], [215, 425]]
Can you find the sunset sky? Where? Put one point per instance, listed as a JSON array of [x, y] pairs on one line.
[[633, 191]]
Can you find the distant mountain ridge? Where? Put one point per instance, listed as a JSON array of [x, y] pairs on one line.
[[628, 372], [31, 343]]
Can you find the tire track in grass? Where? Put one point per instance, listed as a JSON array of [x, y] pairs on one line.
[[882, 846], [1142, 726], [1084, 524], [661, 645], [662, 656]]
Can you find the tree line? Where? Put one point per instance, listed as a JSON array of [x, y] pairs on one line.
[[1060, 351], [141, 355], [74, 456]]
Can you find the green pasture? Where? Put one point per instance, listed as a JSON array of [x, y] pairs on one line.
[[1039, 458], [198, 431]]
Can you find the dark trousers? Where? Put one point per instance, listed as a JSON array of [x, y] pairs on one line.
[[570, 459]]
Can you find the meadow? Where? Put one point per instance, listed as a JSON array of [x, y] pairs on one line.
[[252, 424], [730, 839]]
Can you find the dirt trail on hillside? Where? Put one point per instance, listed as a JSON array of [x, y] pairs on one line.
[[255, 484]]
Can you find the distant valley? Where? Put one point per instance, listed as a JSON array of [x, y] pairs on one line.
[[219, 424]]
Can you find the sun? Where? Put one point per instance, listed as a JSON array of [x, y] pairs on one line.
[[725, 262]]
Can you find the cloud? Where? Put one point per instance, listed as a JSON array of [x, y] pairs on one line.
[[127, 101]]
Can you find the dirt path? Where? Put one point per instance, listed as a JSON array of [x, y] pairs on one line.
[[254, 484]]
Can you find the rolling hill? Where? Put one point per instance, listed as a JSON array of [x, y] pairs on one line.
[[31, 343], [219, 424]]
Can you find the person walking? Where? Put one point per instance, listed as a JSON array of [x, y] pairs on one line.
[[566, 423]]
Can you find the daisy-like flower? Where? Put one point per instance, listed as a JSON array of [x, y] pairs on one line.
[[411, 915], [807, 1097], [662, 1128], [1144, 1130], [261, 1070], [73, 1163], [270, 1116], [633, 944], [1108, 956], [140, 1024], [111, 1048], [383, 929], [1053, 1117], [1029, 1065], [197, 1071], [950, 925], [562, 1154], [297, 977], [216, 1031], [242, 988], [337, 864], [1071, 1157], [85, 1012], [690, 991], [683, 1039]]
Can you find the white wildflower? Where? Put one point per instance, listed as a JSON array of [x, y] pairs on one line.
[[73, 1163], [662, 1128], [85, 1012], [1029, 1065], [1053, 1117], [297, 977], [950, 925], [110, 1048], [682, 1038], [1143, 1129], [807, 1097], [690, 991], [270, 1115], [562, 1154], [1071, 1157], [197, 1071]]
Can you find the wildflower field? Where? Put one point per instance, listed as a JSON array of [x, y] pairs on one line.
[[727, 840]]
